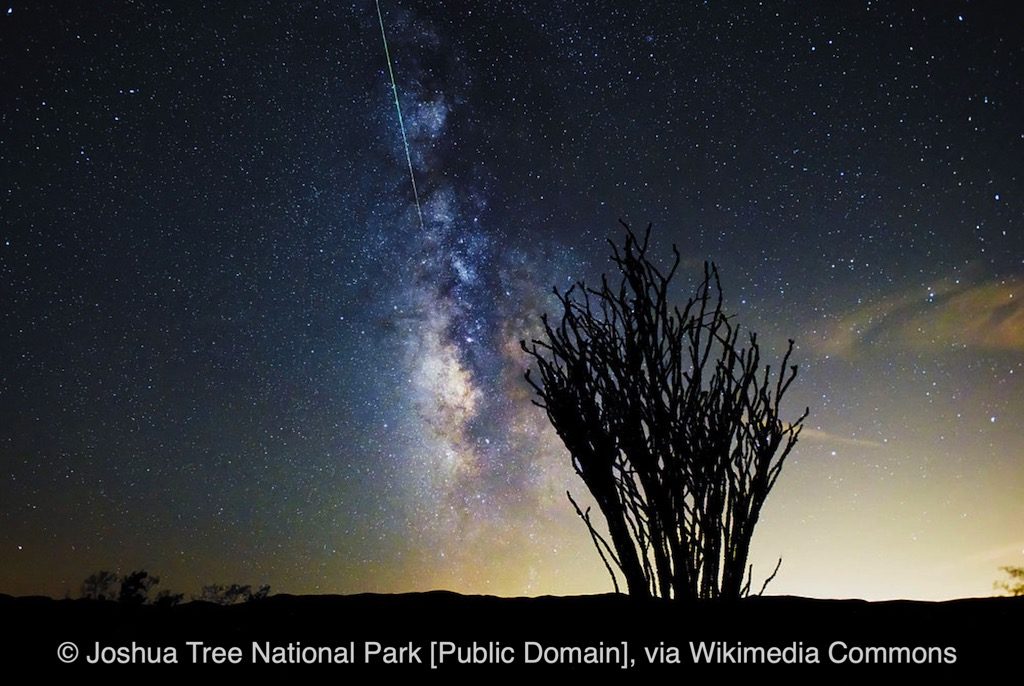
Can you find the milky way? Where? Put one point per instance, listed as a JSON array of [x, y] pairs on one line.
[[476, 457], [230, 352]]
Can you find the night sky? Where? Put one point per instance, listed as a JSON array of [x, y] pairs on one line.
[[230, 353]]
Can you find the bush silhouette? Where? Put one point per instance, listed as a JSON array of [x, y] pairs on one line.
[[1014, 585], [130, 589], [167, 598], [102, 585], [233, 594], [135, 587], [672, 422]]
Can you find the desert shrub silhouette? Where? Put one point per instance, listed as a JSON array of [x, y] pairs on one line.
[[230, 595], [131, 589], [101, 585], [166, 598], [671, 421], [1014, 584], [135, 587]]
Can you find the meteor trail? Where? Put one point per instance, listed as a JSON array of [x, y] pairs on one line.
[[401, 122]]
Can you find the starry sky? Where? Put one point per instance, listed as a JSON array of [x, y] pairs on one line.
[[230, 352]]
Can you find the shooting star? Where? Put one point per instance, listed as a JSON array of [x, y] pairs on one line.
[[401, 122]]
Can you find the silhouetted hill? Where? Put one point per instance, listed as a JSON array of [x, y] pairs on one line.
[[799, 636]]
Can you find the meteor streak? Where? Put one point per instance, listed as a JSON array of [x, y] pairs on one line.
[[401, 122]]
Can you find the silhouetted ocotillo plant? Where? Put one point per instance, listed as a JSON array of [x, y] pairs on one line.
[[671, 420]]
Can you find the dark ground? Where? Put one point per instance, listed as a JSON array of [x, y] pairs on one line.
[[966, 636]]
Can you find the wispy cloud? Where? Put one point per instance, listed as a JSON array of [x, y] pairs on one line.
[[950, 316], [820, 436], [997, 553]]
